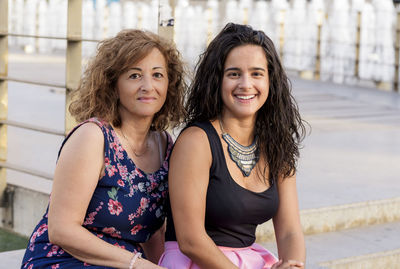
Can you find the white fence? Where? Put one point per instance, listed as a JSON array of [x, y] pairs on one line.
[[299, 28]]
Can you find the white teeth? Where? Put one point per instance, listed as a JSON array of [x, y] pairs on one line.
[[245, 97]]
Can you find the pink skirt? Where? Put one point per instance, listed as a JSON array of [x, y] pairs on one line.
[[252, 257]]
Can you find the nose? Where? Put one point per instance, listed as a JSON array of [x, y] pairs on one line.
[[245, 82], [147, 84]]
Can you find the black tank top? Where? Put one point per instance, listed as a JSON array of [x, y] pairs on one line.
[[232, 212]]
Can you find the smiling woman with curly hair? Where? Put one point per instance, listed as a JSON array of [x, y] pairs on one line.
[[110, 183]]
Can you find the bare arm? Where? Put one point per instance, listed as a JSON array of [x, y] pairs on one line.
[[188, 181], [288, 231], [75, 179]]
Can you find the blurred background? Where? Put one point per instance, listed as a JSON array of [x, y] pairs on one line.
[[342, 57]]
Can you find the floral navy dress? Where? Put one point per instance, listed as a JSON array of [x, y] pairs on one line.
[[126, 208]]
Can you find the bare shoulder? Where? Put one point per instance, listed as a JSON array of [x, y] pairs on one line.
[[90, 130], [87, 137], [193, 143], [193, 136]]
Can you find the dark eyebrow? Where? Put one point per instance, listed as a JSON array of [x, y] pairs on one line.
[[135, 68], [238, 69], [139, 69], [257, 69], [231, 69]]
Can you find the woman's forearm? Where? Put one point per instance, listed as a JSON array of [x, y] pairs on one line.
[[84, 246], [292, 247]]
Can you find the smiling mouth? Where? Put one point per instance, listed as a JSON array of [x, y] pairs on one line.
[[245, 97]]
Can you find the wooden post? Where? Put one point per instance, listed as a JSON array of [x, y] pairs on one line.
[[397, 55], [166, 25], [74, 56], [282, 14], [317, 73], [3, 91], [358, 41]]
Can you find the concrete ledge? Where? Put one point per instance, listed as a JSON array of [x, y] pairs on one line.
[[11, 259], [335, 218], [28, 207], [386, 259]]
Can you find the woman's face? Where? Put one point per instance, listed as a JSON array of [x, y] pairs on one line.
[[142, 89], [245, 82]]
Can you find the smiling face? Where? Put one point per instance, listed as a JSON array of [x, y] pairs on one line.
[[245, 82], [142, 89]]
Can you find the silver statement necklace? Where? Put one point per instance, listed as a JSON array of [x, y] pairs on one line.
[[245, 157], [133, 149]]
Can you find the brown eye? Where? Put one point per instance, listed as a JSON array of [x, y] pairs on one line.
[[233, 74], [158, 75], [134, 76]]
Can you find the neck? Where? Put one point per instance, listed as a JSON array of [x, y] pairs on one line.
[[136, 130], [242, 130]]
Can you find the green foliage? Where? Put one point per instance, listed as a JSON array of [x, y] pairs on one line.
[[11, 241]]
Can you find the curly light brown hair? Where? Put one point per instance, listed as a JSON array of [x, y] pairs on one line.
[[97, 96]]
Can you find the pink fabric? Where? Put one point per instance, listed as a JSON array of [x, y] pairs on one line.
[[253, 257]]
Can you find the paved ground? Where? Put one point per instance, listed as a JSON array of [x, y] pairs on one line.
[[353, 151]]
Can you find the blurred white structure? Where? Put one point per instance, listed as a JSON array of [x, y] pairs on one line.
[[292, 25]]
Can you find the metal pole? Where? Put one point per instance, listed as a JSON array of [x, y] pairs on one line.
[[74, 56], [3, 91]]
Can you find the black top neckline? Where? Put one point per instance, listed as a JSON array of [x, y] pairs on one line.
[[220, 148]]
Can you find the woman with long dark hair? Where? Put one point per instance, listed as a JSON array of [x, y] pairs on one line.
[[233, 166]]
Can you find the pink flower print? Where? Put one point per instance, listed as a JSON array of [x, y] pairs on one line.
[[55, 266], [114, 207], [137, 172], [90, 218], [86, 264], [109, 168], [30, 266], [106, 161], [120, 182], [144, 203], [136, 229], [123, 171], [120, 246], [117, 149], [131, 218], [53, 251], [42, 228], [112, 231]]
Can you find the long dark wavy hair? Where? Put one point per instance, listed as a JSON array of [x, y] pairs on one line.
[[279, 127]]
